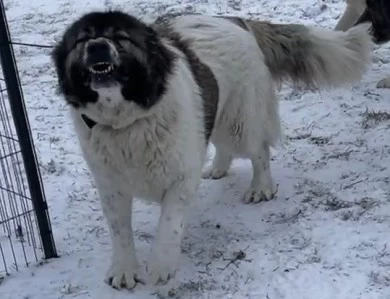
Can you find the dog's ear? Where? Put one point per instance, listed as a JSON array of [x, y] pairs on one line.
[[161, 62], [58, 56]]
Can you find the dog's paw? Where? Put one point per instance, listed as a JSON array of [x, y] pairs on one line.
[[213, 173], [121, 276], [162, 270], [253, 195], [384, 83]]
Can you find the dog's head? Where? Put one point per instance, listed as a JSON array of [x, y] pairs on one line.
[[105, 51], [377, 13]]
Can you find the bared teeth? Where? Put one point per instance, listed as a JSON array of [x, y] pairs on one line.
[[108, 68]]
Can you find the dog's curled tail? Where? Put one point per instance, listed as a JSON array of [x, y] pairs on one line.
[[313, 57]]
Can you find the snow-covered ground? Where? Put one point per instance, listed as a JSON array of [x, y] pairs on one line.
[[326, 236]]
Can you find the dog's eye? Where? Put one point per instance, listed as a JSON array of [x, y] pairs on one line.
[[81, 40], [122, 37]]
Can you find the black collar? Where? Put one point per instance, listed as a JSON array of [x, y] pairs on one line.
[[89, 122]]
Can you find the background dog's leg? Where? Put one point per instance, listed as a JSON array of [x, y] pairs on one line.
[[117, 209], [352, 12], [384, 83], [166, 250], [261, 187], [220, 165]]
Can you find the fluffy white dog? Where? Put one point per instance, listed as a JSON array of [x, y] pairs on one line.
[[147, 98]]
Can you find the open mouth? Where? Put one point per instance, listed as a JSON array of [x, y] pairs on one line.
[[101, 68]]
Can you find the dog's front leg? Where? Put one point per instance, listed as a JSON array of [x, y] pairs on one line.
[[117, 209], [352, 12], [166, 250]]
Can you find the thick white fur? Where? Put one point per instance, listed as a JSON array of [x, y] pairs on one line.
[[158, 154], [155, 155], [345, 55]]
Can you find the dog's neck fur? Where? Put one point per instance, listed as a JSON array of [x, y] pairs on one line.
[[107, 96], [114, 111], [110, 96]]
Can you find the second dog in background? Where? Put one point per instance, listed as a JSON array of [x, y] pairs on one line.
[[376, 12]]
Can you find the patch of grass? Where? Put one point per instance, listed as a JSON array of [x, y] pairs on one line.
[[360, 208], [300, 136], [235, 4], [317, 194], [188, 289], [379, 279], [319, 140], [340, 155], [373, 118], [54, 140], [335, 204]]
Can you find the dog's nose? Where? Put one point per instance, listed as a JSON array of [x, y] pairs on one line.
[[98, 50], [97, 47]]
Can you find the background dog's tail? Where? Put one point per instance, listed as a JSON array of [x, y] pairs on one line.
[[313, 57]]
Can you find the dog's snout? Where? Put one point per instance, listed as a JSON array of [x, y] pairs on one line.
[[98, 50], [96, 47]]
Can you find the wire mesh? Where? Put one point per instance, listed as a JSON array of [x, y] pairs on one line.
[[19, 235], [25, 229]]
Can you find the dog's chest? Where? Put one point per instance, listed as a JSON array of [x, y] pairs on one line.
[[142, 163]]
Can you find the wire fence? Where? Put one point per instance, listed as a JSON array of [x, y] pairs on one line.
[[25, 229], [19, 239]]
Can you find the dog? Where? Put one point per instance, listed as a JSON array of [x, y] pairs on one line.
[[375, 12], [146, 100], [352, 12]]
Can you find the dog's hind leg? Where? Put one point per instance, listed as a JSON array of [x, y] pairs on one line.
[[384, 83], [262, 130], [220, 165], [352, 12], [261, 187]]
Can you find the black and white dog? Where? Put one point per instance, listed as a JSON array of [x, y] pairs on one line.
[[146, 99], [375, 12]]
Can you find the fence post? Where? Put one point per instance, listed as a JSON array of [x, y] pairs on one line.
[[22, 126]]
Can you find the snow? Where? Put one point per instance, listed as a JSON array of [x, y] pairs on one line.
[[326, 235]]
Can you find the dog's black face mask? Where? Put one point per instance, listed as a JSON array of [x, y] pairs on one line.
[[104, 49], [378, 14]]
